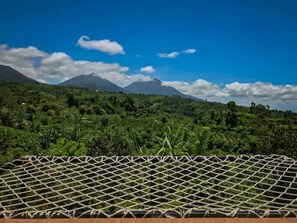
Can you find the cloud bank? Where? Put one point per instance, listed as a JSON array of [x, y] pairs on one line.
[[277, 96], [105, 45], [58, 66]]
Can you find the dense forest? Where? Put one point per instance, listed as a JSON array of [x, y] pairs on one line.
[[40, 119]]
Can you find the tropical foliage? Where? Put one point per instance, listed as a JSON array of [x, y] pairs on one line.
[[39, 119]]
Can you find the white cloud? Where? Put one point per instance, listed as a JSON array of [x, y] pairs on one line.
[[176, 54], [105, 45], [124, 80], [22, 59], [168, 55], [61, 66], [277, 96], [148, 69], [58, 66], [265, 91], [262, 90], [190, 51], [200, 88]]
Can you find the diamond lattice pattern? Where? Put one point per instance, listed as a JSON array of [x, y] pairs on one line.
[[149, 186]]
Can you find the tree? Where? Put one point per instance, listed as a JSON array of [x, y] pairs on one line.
[[252, 107], [280, 141], [232, 106], [64, 147], [288, 114], [72, 101], [109, 145], [6, 117], [4, 142], [128, 104], [231, 118], [261, 111]]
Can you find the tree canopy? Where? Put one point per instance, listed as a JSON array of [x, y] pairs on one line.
[[39, 119]]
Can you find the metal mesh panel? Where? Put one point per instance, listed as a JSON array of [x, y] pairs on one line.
[[149, 186]]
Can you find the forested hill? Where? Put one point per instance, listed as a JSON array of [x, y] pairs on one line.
[[39, 119]]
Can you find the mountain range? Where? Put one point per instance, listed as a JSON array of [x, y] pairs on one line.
[[96, 83]]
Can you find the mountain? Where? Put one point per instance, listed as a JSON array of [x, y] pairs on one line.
[[155, 87], [93, 82], [9, 74]]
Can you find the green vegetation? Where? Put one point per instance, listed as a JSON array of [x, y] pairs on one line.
[[38, 119]]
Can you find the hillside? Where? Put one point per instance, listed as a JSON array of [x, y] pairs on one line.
[[9, 74], [92, 82], [155, 87], [40, 119]]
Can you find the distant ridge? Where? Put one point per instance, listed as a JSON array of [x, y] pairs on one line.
[[9, 74], [155, 87], [93, 82]]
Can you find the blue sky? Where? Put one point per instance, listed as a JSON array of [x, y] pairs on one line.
[[236, 41]]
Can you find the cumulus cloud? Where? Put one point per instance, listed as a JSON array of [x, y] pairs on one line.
[[190, 51], [58, 66], [278, 96], [266, 91], [176, 54], [168, 55], [105, 45], [200, 88], [61, 66], [22, 59], [262, 90], [124, 80], [148, 69]]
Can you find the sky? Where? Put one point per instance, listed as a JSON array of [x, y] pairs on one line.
[[219, 50]]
